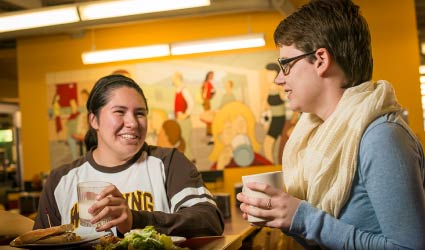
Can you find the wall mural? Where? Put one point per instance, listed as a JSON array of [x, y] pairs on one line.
[[220, 111]]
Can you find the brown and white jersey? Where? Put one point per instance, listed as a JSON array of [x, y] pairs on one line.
[[161, 186]]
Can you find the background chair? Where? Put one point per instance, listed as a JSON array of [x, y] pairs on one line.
[[13, 224]]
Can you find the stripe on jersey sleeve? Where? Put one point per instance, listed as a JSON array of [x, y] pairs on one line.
[[190, 196]]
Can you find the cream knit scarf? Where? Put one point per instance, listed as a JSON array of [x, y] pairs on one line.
[[320, 157]]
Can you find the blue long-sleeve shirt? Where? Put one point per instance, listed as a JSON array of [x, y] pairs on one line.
[[386, 208]]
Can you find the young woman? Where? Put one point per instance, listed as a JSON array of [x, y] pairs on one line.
[[151, 185], [353, 170]]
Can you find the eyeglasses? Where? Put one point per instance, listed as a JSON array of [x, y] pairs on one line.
[[284, 63]]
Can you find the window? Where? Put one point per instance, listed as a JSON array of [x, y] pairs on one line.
[[6, 135]]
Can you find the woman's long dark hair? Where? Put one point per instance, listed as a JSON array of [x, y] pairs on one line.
[[99, 97]]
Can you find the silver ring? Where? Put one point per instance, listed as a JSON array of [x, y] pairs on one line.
[[269, 203]]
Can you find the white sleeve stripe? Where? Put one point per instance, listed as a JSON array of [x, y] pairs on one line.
[[192, 202], [189, 191]]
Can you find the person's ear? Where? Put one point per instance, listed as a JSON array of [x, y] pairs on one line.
[[323, 61], [93, 121]]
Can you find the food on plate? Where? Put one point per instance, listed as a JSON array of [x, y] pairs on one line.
[[139, 239], [109, 239], [51, 235]]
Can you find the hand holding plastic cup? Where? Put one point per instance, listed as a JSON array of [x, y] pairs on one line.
[[274, 179], [87, 193]]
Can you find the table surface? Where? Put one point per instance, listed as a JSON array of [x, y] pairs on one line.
[[235, 231], [225, 242], [236, 225]]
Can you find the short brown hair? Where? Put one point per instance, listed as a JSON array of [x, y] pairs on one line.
[[336, 25]]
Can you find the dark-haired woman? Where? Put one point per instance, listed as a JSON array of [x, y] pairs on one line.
[[151, 185]]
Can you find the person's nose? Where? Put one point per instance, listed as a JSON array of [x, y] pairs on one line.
[[130, 121], [280, 78]]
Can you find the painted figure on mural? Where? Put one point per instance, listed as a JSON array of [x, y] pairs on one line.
[[82, 125], [122, 72], [56, 108], [275, 104], [156, 118], [183, 106], [170, 136], [235, 144], [207, 93], [71, 129], [228, 95]]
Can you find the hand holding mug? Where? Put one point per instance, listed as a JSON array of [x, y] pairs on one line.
[[264, 202], [106, 209]]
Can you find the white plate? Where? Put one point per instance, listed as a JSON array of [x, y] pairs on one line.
[[177, 239], [86, 236]]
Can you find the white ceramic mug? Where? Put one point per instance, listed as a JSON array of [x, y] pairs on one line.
[[274, 179]]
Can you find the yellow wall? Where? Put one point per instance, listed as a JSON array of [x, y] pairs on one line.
[[395, 48]]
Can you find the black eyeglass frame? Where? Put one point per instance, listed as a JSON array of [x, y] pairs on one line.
[[284, 62]]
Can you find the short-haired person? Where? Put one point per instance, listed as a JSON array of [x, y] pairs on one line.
[[151, 185], [353, 169], [170, 136]]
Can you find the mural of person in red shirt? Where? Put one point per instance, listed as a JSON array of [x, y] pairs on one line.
[[183, 105]]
